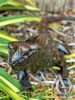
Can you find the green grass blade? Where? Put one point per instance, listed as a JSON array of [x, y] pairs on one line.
[[15, 3], [2, 3], [31, 8], [4, 97], [71, 67], [31, 3], [4, 40], [10, 2], [70, 56], [7, 37], [3, 52], [55, 68], [12, 7], [26, 8], [55, 25], [17, 19], [3, 0], [9, 84], [70, 61], [10, 79], [9, 92]]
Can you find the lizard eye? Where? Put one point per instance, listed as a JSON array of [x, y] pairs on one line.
[[23, 50]]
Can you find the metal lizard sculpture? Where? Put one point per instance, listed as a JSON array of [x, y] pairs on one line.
[[37, 53]]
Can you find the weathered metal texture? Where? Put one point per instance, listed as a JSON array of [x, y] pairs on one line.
[[35, 58]]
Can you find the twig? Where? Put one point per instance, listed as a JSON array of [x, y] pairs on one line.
[[60, 33], [33, 77]]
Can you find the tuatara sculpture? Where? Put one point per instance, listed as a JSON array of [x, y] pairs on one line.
[[37, 53]]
